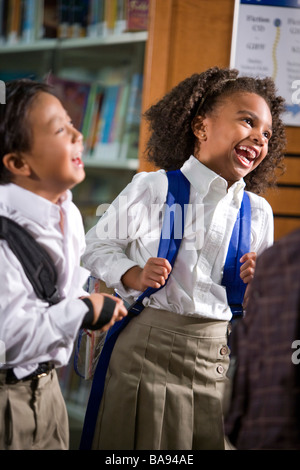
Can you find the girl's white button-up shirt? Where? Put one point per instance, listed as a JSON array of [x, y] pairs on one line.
[[129, 231]]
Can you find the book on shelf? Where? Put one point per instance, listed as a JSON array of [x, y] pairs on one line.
[[28, 33], [31, 20], [106, 111], [130, 141], [13, 21], [27, 20], [73, 96], [108, 133], [96, 18], [73, 18], [105, 146], [137, 12]]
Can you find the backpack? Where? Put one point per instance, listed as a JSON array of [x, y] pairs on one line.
[[36, 262]]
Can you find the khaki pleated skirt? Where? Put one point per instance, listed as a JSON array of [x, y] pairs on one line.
[[165, 384]]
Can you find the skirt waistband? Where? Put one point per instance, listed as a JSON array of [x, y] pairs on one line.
[[182, 324]]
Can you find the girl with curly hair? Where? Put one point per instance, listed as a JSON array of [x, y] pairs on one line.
[[166, 377]]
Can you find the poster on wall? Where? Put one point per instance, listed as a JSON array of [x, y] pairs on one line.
[[266, 42]]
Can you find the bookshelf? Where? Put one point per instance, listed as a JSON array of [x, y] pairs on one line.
[[88, 69], [55, 44], [94, 67]]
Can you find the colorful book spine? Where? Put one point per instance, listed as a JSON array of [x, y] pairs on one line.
[[120, 23], [137, 15], [28, 21], [110, 15], [130, 140], [14, 21], [111, 98], [117, 129], [94, 6]]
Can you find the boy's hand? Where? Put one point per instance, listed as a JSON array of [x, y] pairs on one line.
[[120, 310], [248, 267], [154, 274]]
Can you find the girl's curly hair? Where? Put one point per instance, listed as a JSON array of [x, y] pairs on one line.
[[172, 140]]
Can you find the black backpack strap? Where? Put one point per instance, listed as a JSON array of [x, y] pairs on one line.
[[37, 264]]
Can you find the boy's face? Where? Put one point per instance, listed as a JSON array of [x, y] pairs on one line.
[[237, 135], [55, 156]]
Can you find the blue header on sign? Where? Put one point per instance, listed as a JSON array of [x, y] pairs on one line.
[[273, 3]]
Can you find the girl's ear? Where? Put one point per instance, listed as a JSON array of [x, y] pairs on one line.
[[198, 128], [16, 164]]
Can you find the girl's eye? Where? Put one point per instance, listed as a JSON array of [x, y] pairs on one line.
[[59, 130], [248, 121], [267, 135]]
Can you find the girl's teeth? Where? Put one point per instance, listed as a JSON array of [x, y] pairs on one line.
[[249, 151]]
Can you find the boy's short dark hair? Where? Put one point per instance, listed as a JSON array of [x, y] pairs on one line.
[[15, 133]]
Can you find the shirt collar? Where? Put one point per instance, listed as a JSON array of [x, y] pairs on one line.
[[31, 205], [203, 179]]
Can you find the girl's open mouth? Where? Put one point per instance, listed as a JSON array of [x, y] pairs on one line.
[[246, 155]]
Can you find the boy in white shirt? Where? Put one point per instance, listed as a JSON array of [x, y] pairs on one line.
[[40, 161]]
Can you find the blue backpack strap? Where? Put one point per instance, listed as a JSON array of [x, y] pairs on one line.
[[238, 246], [178, 197]]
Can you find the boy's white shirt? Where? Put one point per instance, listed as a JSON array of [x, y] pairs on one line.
[[31, 330], [194, 285]]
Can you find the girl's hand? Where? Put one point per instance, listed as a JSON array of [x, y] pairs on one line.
[[154, 274], [248, 267], [247, 273]]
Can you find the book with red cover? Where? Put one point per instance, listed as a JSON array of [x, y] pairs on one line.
[[137, 15]]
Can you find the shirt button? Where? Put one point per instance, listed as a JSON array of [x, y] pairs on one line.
[[220, 369]]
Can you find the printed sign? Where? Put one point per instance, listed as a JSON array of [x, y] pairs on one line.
[[266, 42]]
